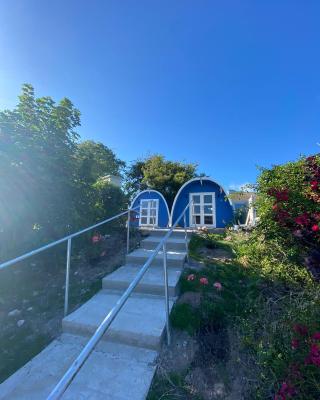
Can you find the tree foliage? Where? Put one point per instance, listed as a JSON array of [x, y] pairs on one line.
[[155, 172], [95, 160], [47, 181]]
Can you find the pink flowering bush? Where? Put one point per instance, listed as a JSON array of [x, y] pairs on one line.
[[303, 370], [287, 238]]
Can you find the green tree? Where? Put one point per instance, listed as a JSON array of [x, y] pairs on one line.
[[155, 172], [36, 163], [49, 183], [95, 160]]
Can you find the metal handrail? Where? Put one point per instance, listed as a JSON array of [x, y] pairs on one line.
[[68, 239], [75, 367], [64, 239]]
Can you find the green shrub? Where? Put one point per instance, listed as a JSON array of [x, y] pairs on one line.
[[184, 317]]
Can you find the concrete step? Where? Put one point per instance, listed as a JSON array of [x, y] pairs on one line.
[[140, 323], [177, 233], [172, 244], [140, 256], [151, 283], [112, 372]]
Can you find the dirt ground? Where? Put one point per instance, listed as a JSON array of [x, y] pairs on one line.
[[32, 299]]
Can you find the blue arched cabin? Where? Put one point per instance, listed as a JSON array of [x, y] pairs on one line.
[[210, 207], [152, 210]]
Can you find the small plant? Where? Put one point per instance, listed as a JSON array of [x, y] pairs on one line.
[[184, 317]]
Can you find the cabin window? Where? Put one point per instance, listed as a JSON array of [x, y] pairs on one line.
[[202, 209]]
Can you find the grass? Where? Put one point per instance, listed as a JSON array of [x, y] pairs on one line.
[[171, 387]]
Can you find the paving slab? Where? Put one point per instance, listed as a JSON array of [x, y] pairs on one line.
[[112, 372], [140, 323], [152, 282], [176, 233], [140, 256], [174, 244]]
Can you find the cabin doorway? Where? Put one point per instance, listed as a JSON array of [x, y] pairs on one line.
[[149, 210]]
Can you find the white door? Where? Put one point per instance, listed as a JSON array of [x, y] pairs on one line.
[[203, 209], [149, 212]]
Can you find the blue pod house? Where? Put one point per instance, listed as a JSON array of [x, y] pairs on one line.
[[210, 206], [152, 210]]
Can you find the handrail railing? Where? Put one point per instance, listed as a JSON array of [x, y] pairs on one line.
[[68, 239], [70, 374]]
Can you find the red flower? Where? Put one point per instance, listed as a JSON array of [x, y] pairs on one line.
[[279, 194], [204, 281], [301, 329], [314, 185], [275, 207], [314, 356], [294, 344], [315, 228], [316, 336], [302, 219]]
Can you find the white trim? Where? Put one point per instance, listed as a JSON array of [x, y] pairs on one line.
[[202, 214], [202, 178], [148, 208], [154, 191]]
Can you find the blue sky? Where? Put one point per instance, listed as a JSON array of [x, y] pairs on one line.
[[226, 84]]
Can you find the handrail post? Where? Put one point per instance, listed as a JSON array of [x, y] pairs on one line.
[[128, 232], [66, 296], [186, 235], [166, 292]]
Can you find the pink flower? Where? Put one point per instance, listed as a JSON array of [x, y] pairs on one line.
[[96, 238], [191, 277], [286, 389], [315, 228], [217, 285], [204, 281], [294, 344]]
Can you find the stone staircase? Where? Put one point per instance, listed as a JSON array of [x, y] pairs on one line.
[[123, 364]]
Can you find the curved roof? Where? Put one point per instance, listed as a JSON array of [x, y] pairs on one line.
[[199, 178], [155, 191]]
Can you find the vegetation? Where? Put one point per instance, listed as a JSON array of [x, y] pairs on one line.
[[289, 210], [155, 172], [50, 184], [266, 299]]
